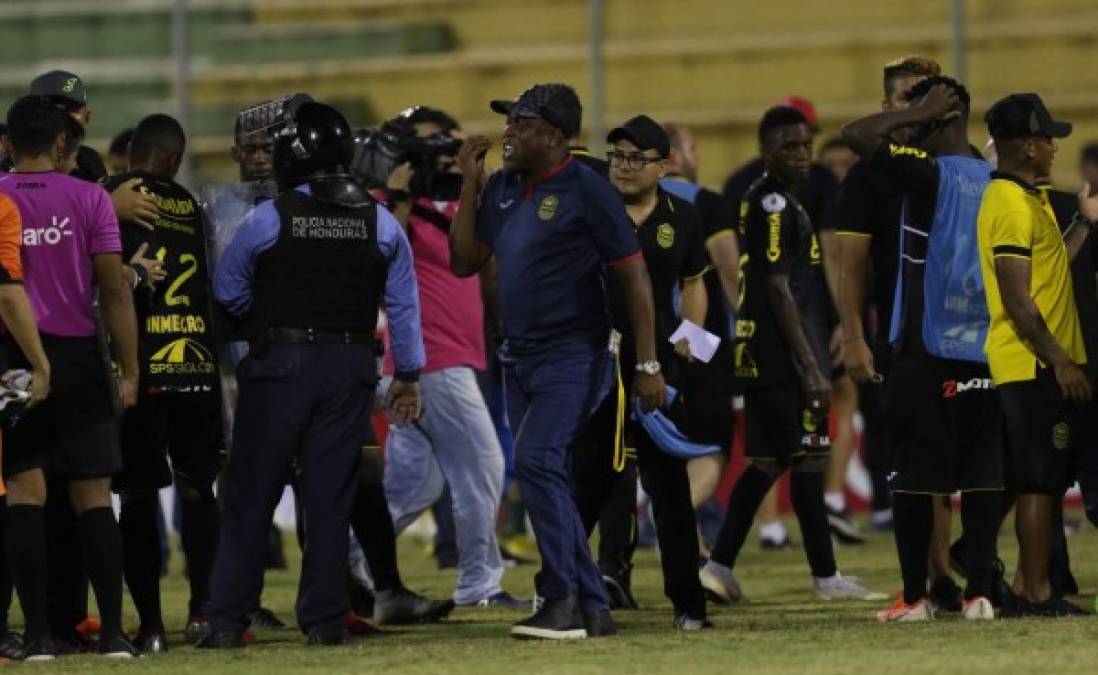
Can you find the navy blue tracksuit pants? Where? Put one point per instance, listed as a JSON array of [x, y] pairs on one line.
[[310, 403], [549, 396]]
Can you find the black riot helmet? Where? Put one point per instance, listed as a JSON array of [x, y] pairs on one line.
[[316, 141]]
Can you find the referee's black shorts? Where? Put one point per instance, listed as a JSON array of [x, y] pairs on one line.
[[946, 424], [74, 432], [185, 426], [780, 426], [1041, 430]]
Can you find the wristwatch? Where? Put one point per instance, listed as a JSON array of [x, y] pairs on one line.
[[649, 367], [141, 275]]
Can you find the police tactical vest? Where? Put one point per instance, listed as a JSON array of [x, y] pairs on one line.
[[955, 314], [325, 271]]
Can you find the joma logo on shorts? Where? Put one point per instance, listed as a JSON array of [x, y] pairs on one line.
[[951, 388]]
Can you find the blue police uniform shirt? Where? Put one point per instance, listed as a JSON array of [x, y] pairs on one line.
[[235, 273], [552, 239]]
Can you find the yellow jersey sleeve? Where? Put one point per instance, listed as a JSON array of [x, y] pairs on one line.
[[1011, 234]]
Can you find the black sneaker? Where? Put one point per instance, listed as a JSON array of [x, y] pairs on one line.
[[361, 598], [42, 649], [117, 647], [329, 636], [843, 527], [151, 641], [1053, 607], [11, 647], [265, 619], [1056, 606], [618, 588], [400, 606], [73, 643], [599, 624], [198, 627], [221, 639], [945, 595], [685, 622], [556, 620]]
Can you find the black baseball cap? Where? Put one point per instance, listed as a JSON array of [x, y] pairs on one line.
[[645, 133], [62, 84], [1021, 116], [555, 103]]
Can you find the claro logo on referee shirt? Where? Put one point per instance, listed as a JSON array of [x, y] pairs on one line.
[[181, 357], [48, 236]]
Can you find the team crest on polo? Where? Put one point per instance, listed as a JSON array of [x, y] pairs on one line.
[[773, 203], [665, 235], [548, 207], [1061, 436]]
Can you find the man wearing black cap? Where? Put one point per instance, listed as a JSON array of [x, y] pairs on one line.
[[554, 226], [781, 358], [67, 91], [1035, 345], [670, 235], [709, 388]]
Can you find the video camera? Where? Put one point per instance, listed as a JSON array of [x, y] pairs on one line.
[[270, 116], [379, 151]]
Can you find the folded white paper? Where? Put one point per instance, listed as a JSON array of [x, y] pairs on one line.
[[703, 344]]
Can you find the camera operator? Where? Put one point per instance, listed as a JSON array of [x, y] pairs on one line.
[[454, 442]]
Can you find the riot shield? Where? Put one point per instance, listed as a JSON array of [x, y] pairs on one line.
[[226, 208]]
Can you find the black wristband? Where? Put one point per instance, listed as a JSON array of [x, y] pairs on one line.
[[406, 375], [398, 196]]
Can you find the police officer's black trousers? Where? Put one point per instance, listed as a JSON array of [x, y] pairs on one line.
[[312, 403]]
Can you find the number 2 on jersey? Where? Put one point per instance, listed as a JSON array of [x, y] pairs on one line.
[[172, 296]]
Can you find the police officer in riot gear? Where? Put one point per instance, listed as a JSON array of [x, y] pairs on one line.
[[304, 278]]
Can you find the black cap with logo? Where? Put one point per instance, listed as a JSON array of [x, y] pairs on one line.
[[645, 133], [62, 84], [1022, 116], [557, 104]]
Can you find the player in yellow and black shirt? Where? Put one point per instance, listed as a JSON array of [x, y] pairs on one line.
[[671, 238], [178, 413], [781, 358], [1034, 346]]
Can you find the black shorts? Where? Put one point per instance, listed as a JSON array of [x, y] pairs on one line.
[[1041, 429], [946, 426], [75, 431], [781, 428], [183, 426]]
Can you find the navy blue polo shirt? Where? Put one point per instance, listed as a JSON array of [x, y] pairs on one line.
[[553, 239]]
